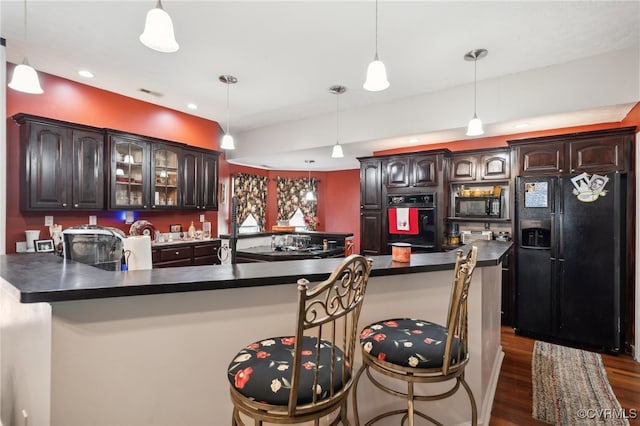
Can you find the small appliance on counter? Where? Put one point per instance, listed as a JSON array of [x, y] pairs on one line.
[[94, 245], [470, 236]]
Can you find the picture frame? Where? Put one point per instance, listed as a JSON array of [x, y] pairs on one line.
[[44, 246], [175, 228]]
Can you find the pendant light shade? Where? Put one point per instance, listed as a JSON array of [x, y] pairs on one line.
[[158, 31], [227, 143], [376, 72], [310, 196], [475, 125], [337, 148], [337, 151], [376, 76], [227, 140], [25, 78]]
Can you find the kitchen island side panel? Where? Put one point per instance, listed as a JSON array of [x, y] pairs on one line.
[[162, 359]]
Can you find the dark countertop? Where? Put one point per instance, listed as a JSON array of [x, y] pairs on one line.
[[45, 277], [267, 254], [312, 233]]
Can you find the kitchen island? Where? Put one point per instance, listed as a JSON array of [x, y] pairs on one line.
[[83, 346]]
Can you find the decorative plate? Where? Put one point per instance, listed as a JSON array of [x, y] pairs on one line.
[[142, 227]]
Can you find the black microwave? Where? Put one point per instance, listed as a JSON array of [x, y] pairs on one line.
[[479, 207]]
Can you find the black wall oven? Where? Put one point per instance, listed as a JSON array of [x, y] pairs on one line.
[[411, 218]]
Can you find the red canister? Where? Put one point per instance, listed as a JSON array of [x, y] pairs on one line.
[[401, 252]]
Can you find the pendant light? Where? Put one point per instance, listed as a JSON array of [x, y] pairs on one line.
[[311, 196], [158, 31], [376, 72], [227, 139], [25, 78], [337, 148], [475, 125]]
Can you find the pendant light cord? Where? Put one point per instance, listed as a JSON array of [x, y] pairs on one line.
[[376, 30], [338, 118], [475, 86], [26, 38], [228, 114]]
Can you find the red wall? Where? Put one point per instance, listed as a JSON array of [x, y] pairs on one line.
[[77, 103]]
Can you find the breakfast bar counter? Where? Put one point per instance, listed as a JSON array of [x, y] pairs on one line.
[[80, 345]]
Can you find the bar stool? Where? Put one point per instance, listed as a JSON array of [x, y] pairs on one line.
[[419, 351], [308, 375]]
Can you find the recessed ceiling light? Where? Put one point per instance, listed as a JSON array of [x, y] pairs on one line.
[[192, 106], [86, 73], [521, 125], [414, 140]]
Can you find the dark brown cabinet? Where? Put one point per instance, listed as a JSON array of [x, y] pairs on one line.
[[193, 253], [480, 165], [130, 172], [371, 183], [165, 177], [200, 172], [411, 171], [148, 173], [62, 165], [371, 205], [371, 232], [600, 151]]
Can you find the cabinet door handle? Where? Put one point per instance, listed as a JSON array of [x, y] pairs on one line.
[[75, 205], [64, 204], [153, 206], [144, 207], [177, 253]]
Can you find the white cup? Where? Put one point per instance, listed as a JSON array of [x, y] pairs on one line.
[[31, 235]]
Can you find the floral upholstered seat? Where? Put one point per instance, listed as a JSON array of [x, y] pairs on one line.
[[306, 376], [408, 343], [263, 369], [415, 351]]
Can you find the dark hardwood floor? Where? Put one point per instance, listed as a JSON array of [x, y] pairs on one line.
[[512, 403]]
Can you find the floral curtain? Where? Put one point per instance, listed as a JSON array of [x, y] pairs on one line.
[[291, 196], [251, 194]]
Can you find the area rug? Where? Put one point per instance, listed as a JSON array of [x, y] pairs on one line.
[[570, 387]]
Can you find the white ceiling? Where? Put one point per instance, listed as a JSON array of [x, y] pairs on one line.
[[551, 63]]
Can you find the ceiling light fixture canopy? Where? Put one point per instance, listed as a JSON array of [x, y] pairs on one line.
[[158, 31], [310, 196], [475, 125], [227, 139], [337, 148], [25, 78], [376, 71]]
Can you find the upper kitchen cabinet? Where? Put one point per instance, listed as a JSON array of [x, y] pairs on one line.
[[415, 170], [479, 165], [130, 178], [61, 165], [166, 180], [371, 183], [200, 177], [600, 151]]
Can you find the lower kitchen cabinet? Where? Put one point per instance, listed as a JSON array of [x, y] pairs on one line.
[[190, 253]]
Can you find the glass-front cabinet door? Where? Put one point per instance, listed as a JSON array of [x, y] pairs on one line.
[[129, 162], [165, 178]]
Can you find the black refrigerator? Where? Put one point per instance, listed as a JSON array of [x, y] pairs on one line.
[[570, 259]]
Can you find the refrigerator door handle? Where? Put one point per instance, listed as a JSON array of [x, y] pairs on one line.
[[560, 253], [554, 249]]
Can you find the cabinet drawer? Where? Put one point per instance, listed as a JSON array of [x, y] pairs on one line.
[[173, 263], [206, 260], [206, 249], [176, 253]]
